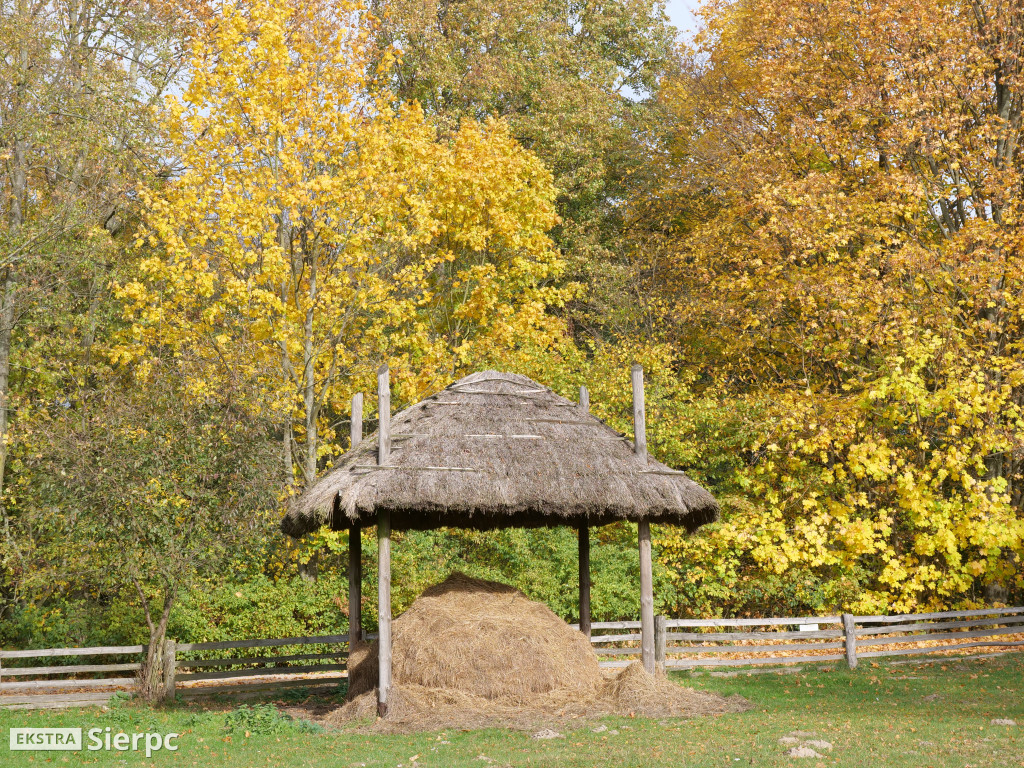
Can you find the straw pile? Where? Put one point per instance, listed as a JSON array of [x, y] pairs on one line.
[[472, 654]]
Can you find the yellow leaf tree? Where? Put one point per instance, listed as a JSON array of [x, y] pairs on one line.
[[837, 237], [311, 231]]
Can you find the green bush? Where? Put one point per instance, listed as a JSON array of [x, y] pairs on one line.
[[252, 604], [265, 720], [260, 607]]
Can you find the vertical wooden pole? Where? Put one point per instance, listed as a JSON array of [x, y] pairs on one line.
[[384, 609], [355, 585], [584, 536], [355, 429], [660, 632], [355, 541], [383, 415], [850, 636], [170, 664], [383, 547], [643, 530], [584, 546], [646, 597], [639, 417]]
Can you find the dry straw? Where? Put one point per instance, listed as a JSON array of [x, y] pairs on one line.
[[498, 450], [471, 654]]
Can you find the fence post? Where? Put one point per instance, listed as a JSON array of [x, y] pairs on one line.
[[850, 635], [170, 664], [659, 644]]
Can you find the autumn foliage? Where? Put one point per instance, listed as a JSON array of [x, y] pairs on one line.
[[853, 275], [314, 231], [219, 219]]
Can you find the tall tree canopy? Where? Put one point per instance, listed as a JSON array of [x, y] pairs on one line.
[[574, 81], [838, 242], [314, 230], [77, 83]]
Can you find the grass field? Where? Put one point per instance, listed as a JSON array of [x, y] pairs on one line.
[[936, 714]]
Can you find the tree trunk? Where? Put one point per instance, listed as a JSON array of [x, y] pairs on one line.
[[18, 175], [286, 453], [6, 332], [309, 400], [151, 682], [151, 676], [310, 569], [17, 169], [284, 239]]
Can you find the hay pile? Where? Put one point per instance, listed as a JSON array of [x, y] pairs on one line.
[[474, 654]]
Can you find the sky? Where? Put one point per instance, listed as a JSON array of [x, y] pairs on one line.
[[681, 14]]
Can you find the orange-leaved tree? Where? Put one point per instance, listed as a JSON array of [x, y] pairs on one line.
[[838, 238]]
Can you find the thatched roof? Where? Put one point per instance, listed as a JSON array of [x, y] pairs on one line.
[[498, 450]]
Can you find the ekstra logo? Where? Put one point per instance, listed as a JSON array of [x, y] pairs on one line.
[[70, 739]]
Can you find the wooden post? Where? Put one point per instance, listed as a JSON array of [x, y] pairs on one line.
[[584, 536], [383, 547], [639, 417], [646, 597], [355, 429], [659, 644], [643, 530], [584, 546], [384, 610], [355, 585], [170, 664], [850, 635], [383, 415], [355, 541]]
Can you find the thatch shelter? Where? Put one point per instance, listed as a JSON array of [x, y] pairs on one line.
[[497, 450]]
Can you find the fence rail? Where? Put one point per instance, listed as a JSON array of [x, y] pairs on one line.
[[201, 669], [772, 640], [258, 671], [191, 669]]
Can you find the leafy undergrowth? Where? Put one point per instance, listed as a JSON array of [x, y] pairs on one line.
[[936, 714]]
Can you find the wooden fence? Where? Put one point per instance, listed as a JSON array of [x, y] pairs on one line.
[[809, 639], [201, 669], [195, 669], [190, 670], [61, 685]]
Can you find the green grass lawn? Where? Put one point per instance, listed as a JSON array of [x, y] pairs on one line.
[[907, 715]]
